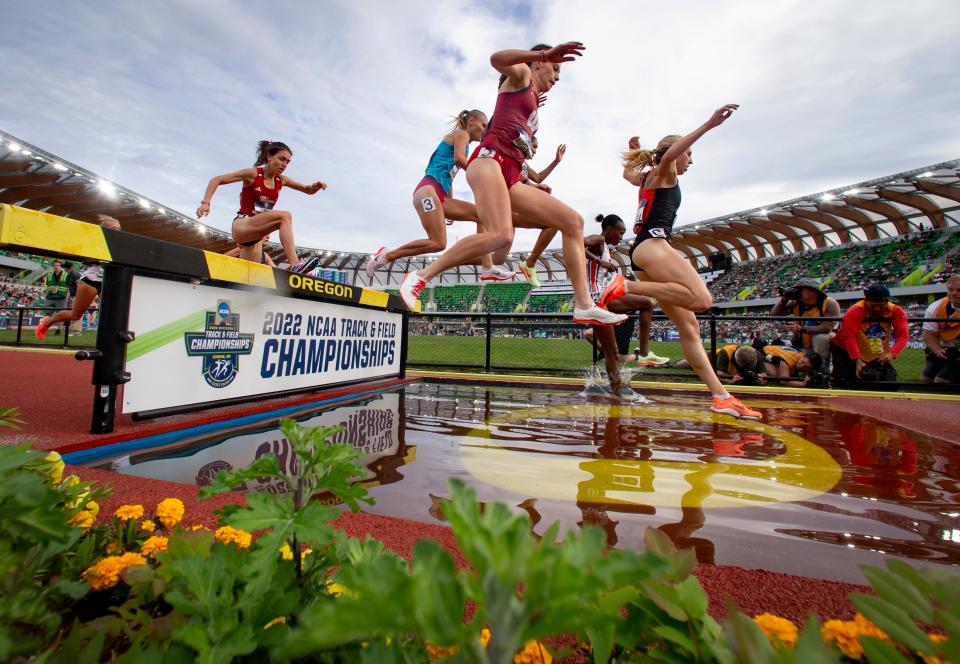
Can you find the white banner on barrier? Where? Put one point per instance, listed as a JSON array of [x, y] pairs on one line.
[[198, 344], [373, 428]]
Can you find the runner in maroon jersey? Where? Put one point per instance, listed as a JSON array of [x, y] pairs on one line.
[[494, 170], [256, 218]]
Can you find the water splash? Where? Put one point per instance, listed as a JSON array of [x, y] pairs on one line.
[[596, 384]]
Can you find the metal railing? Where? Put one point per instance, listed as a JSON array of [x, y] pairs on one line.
[[17, 325], [553, 344]]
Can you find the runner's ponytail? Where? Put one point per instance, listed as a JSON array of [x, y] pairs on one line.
[[641, 157]]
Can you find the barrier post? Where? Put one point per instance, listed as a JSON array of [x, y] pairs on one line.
[[19, 326], [112, 340], [404, 340], [486, 363]]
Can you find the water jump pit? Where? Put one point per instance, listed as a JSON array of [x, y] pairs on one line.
[[812, 490]]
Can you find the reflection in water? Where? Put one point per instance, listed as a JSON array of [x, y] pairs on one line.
[[810, 490]]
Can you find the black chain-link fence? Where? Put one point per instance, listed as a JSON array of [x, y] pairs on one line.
[[553, 344]]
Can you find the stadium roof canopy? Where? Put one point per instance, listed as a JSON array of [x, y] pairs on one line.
[[884, 207]]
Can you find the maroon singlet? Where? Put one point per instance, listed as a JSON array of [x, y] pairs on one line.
[[256, 198]]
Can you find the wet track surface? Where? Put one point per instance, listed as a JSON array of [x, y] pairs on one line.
[[810, 490]]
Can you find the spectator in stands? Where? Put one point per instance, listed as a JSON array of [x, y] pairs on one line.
[[942, 340], [740, 364], [88, 288], [872, 335], [784, 362], [56, 289], [808, 300]]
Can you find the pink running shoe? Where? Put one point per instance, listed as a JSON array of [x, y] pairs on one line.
[[410, 289], [375, 262]]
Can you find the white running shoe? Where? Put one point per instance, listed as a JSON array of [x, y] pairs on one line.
[[497, 273], [530, 274], [410, 289], [597, 316], [375, 262]]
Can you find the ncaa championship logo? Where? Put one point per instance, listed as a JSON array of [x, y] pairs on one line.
[[220, 345]]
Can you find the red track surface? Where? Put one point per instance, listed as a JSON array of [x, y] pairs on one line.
[[54, 395]]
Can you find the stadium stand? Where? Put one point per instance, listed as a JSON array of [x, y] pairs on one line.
[[504, 298], [455, 298]]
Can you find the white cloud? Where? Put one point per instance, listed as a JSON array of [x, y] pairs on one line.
[[160, 98]]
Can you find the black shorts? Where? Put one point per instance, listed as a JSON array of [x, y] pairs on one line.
[[96, 285], [653, 232], [937, 368]]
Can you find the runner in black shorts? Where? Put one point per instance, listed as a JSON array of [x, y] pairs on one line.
[[663, 274], [88, 287]]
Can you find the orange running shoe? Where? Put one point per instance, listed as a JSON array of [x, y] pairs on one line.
[[613, 291], [41, 329], [732, 406]]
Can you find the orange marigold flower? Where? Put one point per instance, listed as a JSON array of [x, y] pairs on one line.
[[846, 634], [533, 652], [82, 519], [484, 636], [227, 534], [127, 512], [148, 526], [867, 628], [435, 652], [154, 544], [106, 572], [170, 511], [777, 629], [113, 547]]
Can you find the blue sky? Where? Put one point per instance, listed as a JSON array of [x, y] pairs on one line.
[[161, 96]]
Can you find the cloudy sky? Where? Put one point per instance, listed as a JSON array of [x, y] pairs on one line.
[[161, 96]]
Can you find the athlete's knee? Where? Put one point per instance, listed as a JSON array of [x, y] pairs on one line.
[[284, 217], [571, 222], [500, 241]]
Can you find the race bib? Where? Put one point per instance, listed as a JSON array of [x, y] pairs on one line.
[[427, 204]]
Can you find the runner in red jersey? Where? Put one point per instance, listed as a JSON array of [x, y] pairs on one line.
[[256, 218], [494, 171]]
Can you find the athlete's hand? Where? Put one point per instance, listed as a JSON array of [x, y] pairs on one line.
[[886, 358], [562, 150], [315, 187], [609, 266], [565, 52], [860, 365], [541, 186], [541, 99], [941, 353], [203, 210], [721, 114], [633, 143]]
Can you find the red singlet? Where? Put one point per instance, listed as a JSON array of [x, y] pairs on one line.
[[510, 131], [256, 198]]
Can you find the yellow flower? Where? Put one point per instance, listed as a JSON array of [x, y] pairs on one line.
[[279, 620], [927, 659], [335, 588], [846, 634], [94, 508], [106, 572], [198, 527], [170, 511], [777, 629], [55, 471], [154, 544], [148, 526], [285, 552], [113, 547], [533, 652], [484, 637], [867, 628], [228, 534], [127, 512], [82, 519]]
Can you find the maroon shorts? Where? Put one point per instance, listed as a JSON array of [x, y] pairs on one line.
[[429, 181], [509, 166]]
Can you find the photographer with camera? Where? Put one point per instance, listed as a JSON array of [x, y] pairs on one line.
[[861, 349], [942, 340], [740, 364], [784, 362], [807, 300]]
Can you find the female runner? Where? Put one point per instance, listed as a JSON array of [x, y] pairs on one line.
[[663, 274], [256, 218], [88, 287], [431, 199], [494, 170], [600, 269]]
